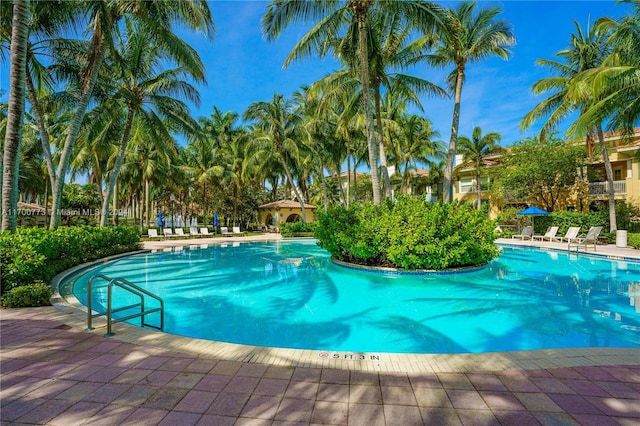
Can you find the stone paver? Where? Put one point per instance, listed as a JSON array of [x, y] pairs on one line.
[[53, 372]]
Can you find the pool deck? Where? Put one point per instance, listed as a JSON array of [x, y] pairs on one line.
[[52, 371]]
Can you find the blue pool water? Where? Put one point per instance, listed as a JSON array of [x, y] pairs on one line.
[[290, 294]]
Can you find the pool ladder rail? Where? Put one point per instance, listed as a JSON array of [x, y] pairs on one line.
[[131, 288]]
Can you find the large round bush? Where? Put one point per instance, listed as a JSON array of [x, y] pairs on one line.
[[408, 233]]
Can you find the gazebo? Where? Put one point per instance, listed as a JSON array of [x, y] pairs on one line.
[[271, 215]]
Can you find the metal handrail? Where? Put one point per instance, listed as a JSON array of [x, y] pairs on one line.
[[131, 288]]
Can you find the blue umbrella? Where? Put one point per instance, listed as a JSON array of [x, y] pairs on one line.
[[215, 219], [160, 223], [533, 211]]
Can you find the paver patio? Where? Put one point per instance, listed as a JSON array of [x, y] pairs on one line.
[[55, 374]]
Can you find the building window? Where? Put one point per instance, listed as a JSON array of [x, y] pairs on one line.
[[617, 174], [467, 185]]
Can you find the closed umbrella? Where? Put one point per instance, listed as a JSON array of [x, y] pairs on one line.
[[160, 223], [215, 222]]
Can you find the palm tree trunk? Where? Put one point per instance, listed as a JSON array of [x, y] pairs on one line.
[[451, 153], [97, 49], [116, 168], [479, 191], [15, 113], [293, 186], [324, 189], [42, 128], [346, 197], [360, 13], [147, 205], [613, 226], [386, 183]]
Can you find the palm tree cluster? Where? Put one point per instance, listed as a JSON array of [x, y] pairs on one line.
[[597, 79], [113, 103]]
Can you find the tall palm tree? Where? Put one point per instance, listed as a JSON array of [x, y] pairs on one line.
[[13, 135], [415, 142], [158, 18], [615, 84], [336, 18], [148, 93], [467, 36], [587, 51], [474, 150], [279, 124]]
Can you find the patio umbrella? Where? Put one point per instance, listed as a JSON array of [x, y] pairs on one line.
[[533, 211], [160, 223], [215, 222]]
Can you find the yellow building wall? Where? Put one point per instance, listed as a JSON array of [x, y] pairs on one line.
[[282, 214]]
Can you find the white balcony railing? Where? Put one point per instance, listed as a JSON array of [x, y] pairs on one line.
[[602, 188]]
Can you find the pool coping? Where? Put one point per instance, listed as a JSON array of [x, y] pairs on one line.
[[72, 313]]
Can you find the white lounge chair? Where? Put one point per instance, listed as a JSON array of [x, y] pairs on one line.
[[586, 240], [224, 231], [180, 232], [193, 232], [572, 234], [205, 232], [237, 231], [153, 233], [551, 233], [168, 233], [527, 232]]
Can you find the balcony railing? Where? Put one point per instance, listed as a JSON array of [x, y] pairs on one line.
[[602, 188]]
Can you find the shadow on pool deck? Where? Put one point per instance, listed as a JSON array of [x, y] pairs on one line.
[[52, 373]]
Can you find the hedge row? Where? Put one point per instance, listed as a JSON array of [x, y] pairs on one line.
[[36, 255], [295, 229], [409, 234]]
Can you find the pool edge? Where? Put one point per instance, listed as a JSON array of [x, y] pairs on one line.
[[71, 313]]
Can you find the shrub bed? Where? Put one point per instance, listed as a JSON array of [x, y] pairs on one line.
[[409, 234], [32, 255], [298, 229]]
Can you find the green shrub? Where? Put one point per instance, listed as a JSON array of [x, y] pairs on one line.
[[633, 240], [29, 295], [408, 233], [295, 229], [37, 254]]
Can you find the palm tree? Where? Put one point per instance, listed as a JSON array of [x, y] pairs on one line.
[[13, 135], [414, 143], [587, 51], [279, 125], [615, 84], [157, 17], [336, 18], [475, 150], [148, 94], [467, 36]]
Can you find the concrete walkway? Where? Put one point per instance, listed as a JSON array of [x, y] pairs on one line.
[[54, 372]]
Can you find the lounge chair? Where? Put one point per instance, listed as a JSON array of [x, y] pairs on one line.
[[586, 240], [193, 232], [527, 232], [551, 233], [205, 232], [168, 233], [237, 231], [179, 232], [153, 233], [224, 231], [571, 235]]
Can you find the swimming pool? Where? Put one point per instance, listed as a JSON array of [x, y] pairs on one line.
[[290, 295]]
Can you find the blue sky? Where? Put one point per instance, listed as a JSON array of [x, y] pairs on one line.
[[243, 68]]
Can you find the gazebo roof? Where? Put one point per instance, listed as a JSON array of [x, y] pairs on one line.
[[286, 204]]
